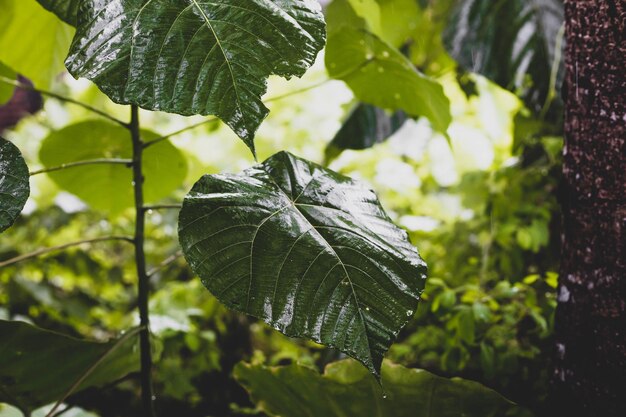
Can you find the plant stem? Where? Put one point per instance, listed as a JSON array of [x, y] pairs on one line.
[[64, 99], [44, 251], [127, 162], [140, 261]]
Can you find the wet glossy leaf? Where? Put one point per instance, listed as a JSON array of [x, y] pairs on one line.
[[34, 41], [309, 251], [514, 43], [193, 57], [14, 186], [380, 75], [346, 389], [366, 126], [38, 366], [66, 10], [109, 187]]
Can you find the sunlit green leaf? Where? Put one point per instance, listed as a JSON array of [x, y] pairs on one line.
[[34, 42], [14, 186], [346, 389], [6, 90], [307, 250], [514, 43], [391, 20], [66, 10], [379, 74], [193, 57], [38, 366], [108, 186]]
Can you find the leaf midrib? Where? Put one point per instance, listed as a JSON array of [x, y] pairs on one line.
[[328, 245]]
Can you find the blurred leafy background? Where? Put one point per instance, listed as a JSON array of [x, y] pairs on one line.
[[481, 206]]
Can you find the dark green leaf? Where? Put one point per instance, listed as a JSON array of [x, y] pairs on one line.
[[366, 126], [38, 366], [33, 41], [66, 10], [307, 250], [380, 75], [108, 187], [14, 186], [192, 57], [346, 389], [512, 42]]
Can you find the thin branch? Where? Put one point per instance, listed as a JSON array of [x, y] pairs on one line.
[[167, 262], [100, 161], [298, 91], [91, 369], [59, 97], [178, 132], [44, 251], [162, 207], [143, 282], [215, 119]]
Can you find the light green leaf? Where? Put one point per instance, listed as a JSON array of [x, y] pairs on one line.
[[109, 187], [38, 366], [66, 10], [6, 89], [391, 20], [379, 74], [309, 251], [14, 183], [195, 57], [346, 389], [34, 42]]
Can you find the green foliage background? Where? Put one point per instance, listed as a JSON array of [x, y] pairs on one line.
[[480, 204]]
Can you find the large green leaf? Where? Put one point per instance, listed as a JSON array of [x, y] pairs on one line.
[[346, 389], [6, 89], [66, 10], [309, 251], [196, 57], [108, 186], [14, 186], [38, 366], [380, 75], [366, 126], [34, 41], [512, 42]]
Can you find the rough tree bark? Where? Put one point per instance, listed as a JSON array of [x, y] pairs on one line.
[[590, 367]]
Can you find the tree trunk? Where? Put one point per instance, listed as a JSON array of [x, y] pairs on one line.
[[590, 367]]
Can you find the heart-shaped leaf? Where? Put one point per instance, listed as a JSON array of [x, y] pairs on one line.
[[14, 186], [66, 10], [196, 57], [309, 251], [108, 186], [513, 43], [345, 389], [38, 366]]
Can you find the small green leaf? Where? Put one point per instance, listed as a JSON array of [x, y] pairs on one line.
[[38, 366], [366, 126], [66, 10], [514, 43], [14, 183], [109, 187], [193, 57], [309, 251], [346, 389], [34, 41], [379, 74]]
